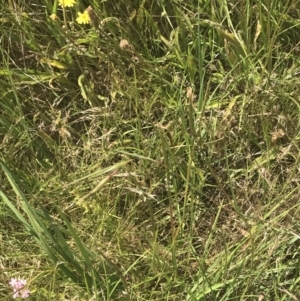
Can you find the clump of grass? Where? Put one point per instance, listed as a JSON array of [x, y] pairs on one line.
[[153, 153]]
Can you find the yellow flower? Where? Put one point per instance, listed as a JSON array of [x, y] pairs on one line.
[[66, 3], [83, 18]]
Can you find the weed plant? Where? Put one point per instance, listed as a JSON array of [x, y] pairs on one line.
[[149, 150]]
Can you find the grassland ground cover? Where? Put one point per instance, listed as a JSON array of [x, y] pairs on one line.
[[149, 150]]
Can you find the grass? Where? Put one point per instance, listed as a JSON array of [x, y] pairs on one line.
[[152, 154]]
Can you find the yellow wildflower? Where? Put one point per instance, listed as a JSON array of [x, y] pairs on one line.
[[83, 18], [66, 3]]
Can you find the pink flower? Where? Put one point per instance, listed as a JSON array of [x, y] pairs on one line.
[[18, 286], [25, 293]]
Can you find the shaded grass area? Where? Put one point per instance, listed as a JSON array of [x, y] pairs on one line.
[[160, 146]]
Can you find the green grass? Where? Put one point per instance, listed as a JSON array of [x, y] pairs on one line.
[[152, 154]]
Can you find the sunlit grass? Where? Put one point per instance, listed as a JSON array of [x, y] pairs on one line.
[[150, 151]]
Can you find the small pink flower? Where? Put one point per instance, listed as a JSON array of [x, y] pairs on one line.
[[18, 286], [13, 282], [25, 293]]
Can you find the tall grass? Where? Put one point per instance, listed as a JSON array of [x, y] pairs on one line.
[[153, 153]]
